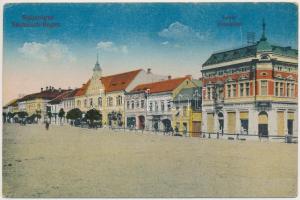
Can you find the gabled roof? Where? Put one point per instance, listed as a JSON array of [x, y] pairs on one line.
[[118, 82], [81, 91], [160, 86], [187, 94]]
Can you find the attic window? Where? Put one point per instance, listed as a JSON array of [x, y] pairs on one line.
[[123, 82], [114, 84]]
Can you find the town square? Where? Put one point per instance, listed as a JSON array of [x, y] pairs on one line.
[[125, 100]]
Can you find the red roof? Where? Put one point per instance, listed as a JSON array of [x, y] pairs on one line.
[[81, 91], [161, 86], [118, 82]]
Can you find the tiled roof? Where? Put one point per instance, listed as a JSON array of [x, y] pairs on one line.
[[160, 86], [62, 96], [249, 51], [118, 82], [12, 103], [46, 94], [81, 91]]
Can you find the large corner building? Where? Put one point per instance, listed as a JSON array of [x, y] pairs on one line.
[[251, 90]]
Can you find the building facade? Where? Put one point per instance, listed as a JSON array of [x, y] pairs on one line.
[[187, 115], [158, 99], [251, 90]]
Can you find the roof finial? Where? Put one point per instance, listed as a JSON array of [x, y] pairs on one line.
[[263, 37], [97, 65], [98, 56]]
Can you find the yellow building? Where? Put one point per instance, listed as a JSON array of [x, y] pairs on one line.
[[187, 115]]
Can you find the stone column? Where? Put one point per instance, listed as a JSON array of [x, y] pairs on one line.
[[254, 121], [204, 121], [295, 123], [285, 122], [272, 122], [216, 123], [225, 121]]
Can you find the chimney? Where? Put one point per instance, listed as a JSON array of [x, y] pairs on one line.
[[41, 89], [46, 88], [169, 77], [148, 70]]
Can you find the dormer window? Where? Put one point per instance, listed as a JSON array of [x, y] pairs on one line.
[[265, 57]]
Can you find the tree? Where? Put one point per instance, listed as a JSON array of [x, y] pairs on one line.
[[73, 114], [4, 114], [93, 115], [61, 114], [9, 116]]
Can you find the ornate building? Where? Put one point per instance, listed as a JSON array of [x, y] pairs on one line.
[[251, 90], [151, 104]]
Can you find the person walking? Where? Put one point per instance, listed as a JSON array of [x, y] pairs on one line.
[[47, 125]]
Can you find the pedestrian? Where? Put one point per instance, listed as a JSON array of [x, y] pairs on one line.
[[47, 125]]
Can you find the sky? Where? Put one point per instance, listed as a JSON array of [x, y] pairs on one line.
[[56, 44]]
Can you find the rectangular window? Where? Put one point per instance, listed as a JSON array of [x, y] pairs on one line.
[[288, 88], [150, 106], [137, 103], [142, 103], [169, 105], [132, 104], [276, 89], [234, 90], [184, 111], [85, 103], [91, 102], [292, 89], [241, 89], [228, 90], [156, 106], [264, 87], [281, 89], [247, 89], [128, 104], [162, 105], [208, 93]]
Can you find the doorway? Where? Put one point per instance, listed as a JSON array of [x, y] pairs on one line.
[[263, 124]]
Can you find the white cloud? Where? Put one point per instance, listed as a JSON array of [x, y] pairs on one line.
[[112, 47], [179, 31], [51, 51], [165, 43]]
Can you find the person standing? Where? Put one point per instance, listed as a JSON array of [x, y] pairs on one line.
[[47, 125]]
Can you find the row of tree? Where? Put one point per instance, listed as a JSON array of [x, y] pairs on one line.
[[74, 114]]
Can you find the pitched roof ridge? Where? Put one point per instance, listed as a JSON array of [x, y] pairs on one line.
[[112, 75], [162, 81]]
